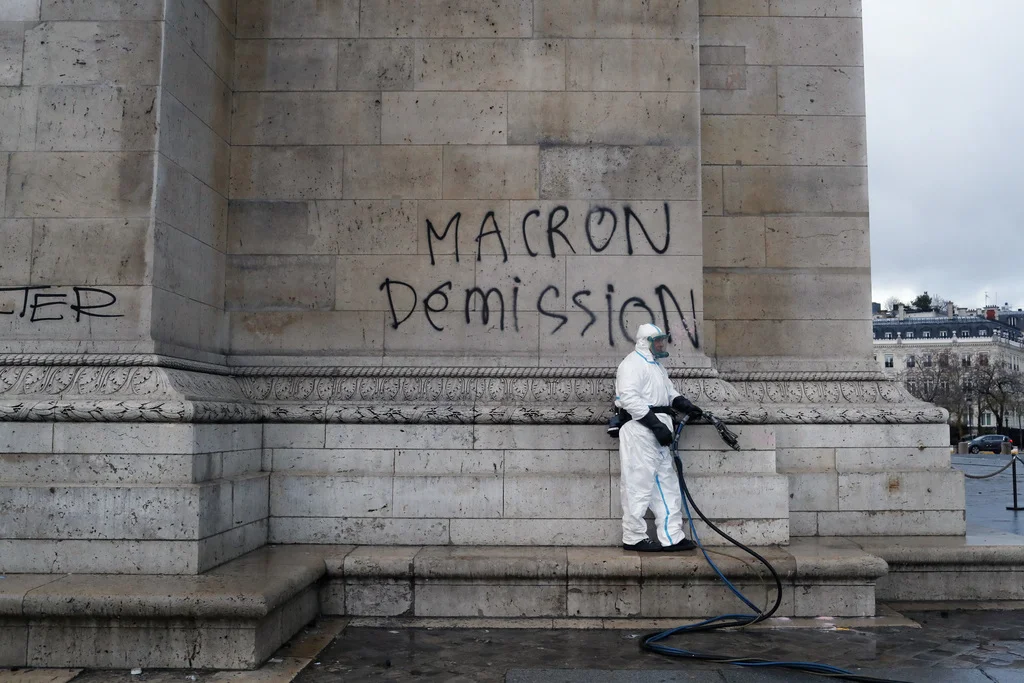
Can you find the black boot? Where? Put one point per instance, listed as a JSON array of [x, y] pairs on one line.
[[644, 546], [685, 544]]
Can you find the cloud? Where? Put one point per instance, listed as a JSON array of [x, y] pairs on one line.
[[945, 142]]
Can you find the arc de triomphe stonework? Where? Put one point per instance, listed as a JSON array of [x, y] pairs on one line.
[[354, 276]]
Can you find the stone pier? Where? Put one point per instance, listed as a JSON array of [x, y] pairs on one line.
[[358, 273]]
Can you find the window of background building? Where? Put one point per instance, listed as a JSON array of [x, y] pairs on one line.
[[910, 335], [942, 333], [888, 335], [928, 360], [910, 361], [888, 360], [982, 359], [966, 361], [987, 419], [927, 334]]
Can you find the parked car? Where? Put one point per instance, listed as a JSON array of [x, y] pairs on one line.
[[988, 442]]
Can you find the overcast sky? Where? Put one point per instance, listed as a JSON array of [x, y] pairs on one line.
[[945, 113]]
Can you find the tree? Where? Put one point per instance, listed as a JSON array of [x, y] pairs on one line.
[[942, 379], [892, 303], [997, 385], [922, 303]]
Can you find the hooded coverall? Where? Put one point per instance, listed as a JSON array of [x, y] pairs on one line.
[[648, 479]]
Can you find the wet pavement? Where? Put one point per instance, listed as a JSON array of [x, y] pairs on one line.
[[949, 646], [987, 499]]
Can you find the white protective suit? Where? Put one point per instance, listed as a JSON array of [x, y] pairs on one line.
[[648, 478]]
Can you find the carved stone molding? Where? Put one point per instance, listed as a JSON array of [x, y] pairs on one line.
[[54, 389]]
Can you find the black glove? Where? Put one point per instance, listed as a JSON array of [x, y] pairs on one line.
[[682, 405], [662, 433]]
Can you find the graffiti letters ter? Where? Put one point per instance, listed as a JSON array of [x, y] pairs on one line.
[[545, 234], [45, 303]]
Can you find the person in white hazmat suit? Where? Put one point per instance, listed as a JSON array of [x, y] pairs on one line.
[[648, 478]]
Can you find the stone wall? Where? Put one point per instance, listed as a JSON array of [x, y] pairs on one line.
[[784, 165], [389, 157]]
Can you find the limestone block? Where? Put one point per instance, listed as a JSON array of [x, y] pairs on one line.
[[892, 523], [734, 242], [617, 172], [361, 283], [193, 83], [175, 318], [821, 90], [12, 45], [633, 277], [186, 203], [20, 10], [98, 10], [387, 598], [803, 523], [495, 172], [305, 332], [728, 462], [53, 184], [211, 40], [421, 436], [883, 459], [362, 531], [324, 495], [171, 512], [632, 65], [711, 183], [800, 338], [484, 64], [448, 483], [298, 19], [397, 172], [89, 52], [734, 8], [323, 227], [89, 251], [18, 108], [96, 118], [186, 266], [225, 11], [545, 484], [13, 644], [767, 495], [780, 189], [334, 460], [821, 242], [250, 498], [805, 459], [286, 65], [465, 228], [901, 490], [617, 19], [816, 8], [484, 341], [701, 439], [546, 532], [294, 436], [54, 319], [526, 278], [77, 438], [662, 600], [489, 600], [375, 64], [556, 438], [263, 283], [861, 436], [190, 143], [757, 96], [446, 18], [305, 118], [839, 600], [813, 294], [15, 251], [723, 76], [813, 491], [99, 556], [792, 41], [287, 172], [603, 118], [595, 600], [234, 464], [422, 118], [784, 141], [26, 437]]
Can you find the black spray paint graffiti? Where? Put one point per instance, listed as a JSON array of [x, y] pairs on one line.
[[601, 226], [76, 300]]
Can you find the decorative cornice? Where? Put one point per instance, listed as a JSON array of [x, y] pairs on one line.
[[147, 389]]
